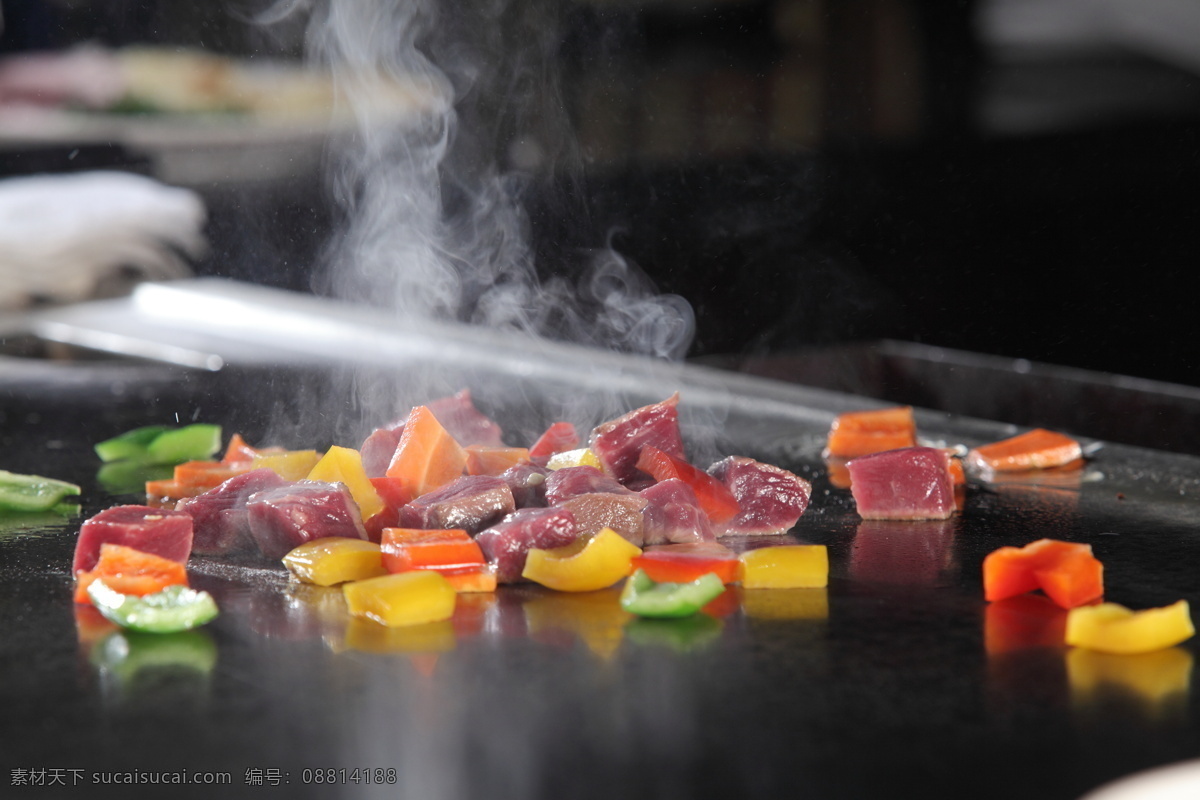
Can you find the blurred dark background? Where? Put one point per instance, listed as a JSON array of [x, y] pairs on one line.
[[1007, 177]]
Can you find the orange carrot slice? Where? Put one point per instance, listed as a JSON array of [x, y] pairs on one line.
[[1037, 449], [239, 452], [169, 490], [207, 474], [130, 571], [860, 433], [427, 456], [957, 476]]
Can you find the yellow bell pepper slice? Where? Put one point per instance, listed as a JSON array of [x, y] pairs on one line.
[[583, 457], [405, 598], [291, 465], [326, 562], [585, 565], [344, 465], [1113, 628], [795, 566]]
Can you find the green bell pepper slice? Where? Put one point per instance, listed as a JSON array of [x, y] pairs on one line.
[[642, 596], [176, 608], [129, 445], [32, 492], [159, 444]]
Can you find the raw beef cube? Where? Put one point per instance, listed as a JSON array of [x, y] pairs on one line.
[[770, 499], [619, 442], [598, 510], [471, 503], [288, 516], [220, 522], [158, 531], [506, 543], [563, 484], [528, 485], [673, 514], [458, 415], [909, 483]]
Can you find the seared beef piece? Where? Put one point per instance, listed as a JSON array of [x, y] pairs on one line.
[[770, 499], [619, 442], [464, 422], [287, 516], [220, 521], [598, 510], [909, 483], [506, 544], [528, 485], [472, 503], [378, 448], [673, 514], [563, 484], [157, 531]]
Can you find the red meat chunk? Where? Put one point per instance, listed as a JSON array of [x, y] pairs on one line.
[[378, 448], [288, 516], [507, 543], [673, 514], [563, 484], [908, 483], [220, 523], [598, 510], [158, 531], [462, 420], [770, 499], [619, 442], [528, 485], [470, 503]]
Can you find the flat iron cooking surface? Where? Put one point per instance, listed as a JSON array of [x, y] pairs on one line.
[[898, 680]]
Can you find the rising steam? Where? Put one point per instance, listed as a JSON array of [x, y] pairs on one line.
[[431, 187]]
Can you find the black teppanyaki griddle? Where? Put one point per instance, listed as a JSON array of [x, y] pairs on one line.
[[896, 681]]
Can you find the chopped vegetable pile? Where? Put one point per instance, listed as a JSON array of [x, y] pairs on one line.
[[437, 506]]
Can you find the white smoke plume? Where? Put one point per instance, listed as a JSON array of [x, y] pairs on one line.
[[432, 190]]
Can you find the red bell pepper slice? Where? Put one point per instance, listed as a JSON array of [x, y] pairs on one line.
[[448, 551], [130, 571], [715, 498], [684, 563], [1066, 571], [558, 438], [860, 433]]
